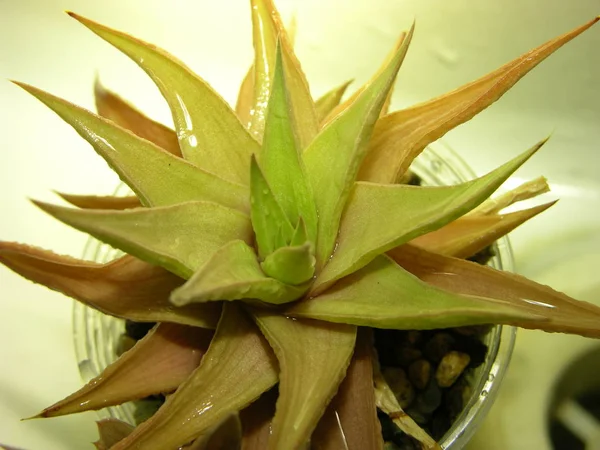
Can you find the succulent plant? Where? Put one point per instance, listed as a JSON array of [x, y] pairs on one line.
[[267, 242]]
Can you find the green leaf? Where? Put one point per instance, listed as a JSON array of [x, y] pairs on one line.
[[384, 295], [237, 368], [156, 176], [472, 233], [126, 287], [291, 265], [409, 211], [399, 137], [562, 313], [158, 363], [308, 380], [233, 273], [400, 43], [334, 157], [210, 134], [351, 421], [280, 158], [271, 226], [166, 236], [330, 100], [112, 107], [267, 29]]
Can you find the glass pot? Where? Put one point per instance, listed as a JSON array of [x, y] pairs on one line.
[[97, 335]]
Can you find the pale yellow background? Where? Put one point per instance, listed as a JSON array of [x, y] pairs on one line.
[[455, 41]]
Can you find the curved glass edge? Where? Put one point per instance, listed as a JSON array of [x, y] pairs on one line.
[[439, 165], [96, 334]]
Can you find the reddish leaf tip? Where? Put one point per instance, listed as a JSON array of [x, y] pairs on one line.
[[40, 415]]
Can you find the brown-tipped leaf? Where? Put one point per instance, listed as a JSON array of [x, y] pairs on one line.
[[384, 295], [166, 236], [157, 177], [472, 233], [210, 134], [237, 368], [126, 287], [399, 137], [156, 364], [561, 312]]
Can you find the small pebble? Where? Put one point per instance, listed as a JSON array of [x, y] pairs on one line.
[[476, 349], [419, 373], [451, 367], [438, 346], [400, 385]]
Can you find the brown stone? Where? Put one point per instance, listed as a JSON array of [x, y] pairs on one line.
[[419, 373], [451, 367]]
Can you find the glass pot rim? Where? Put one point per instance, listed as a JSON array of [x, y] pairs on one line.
[[96, 334]]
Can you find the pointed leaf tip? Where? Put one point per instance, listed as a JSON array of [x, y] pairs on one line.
[[410, 212], [158, 363], [237, 368], [155, 175], [384, 295], [233, 273], [147, 233], [280, 157], [125, 287], [210, 134], [333, 159], [399, 137]]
